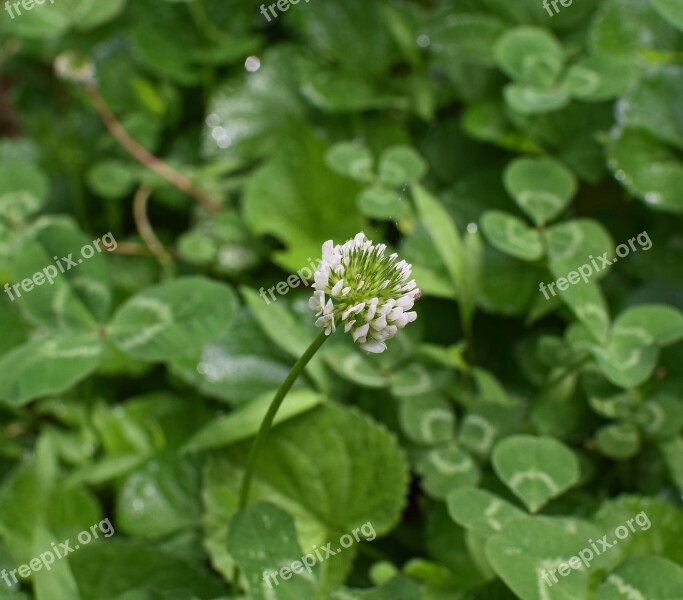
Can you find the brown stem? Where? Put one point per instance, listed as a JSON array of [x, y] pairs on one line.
[[150, 161], [145, 228]]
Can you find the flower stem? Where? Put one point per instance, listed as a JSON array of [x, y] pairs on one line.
[[267, 422]]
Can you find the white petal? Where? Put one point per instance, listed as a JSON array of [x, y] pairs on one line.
[[337, 288], [361, 332], [374, 347], [379, 323]]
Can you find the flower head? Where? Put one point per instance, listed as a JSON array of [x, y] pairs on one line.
[[370, 293]]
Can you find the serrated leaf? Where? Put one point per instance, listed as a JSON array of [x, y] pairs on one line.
[[536, 469], [359, 475]]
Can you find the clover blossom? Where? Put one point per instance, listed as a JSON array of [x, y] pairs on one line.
[[356, 284]]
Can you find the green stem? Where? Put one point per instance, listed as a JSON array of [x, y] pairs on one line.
[[267, 422]]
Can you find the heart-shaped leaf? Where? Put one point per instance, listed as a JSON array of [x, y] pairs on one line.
[[650, 577], [536, 469], [351, 159], [480, 510], [529, 55], [512, 235], [400, 165], [542, 187]]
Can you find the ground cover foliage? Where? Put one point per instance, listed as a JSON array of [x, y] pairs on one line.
[[495, 145]]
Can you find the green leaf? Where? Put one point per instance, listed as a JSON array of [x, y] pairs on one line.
[[285, 332], [599, 78], [480, 510], [465, 37], [655, 525], [173, 319], [652, 105], [23, 190], [355, 366], [529, 55], [298, 200], [629, 28], [536, 469], [247, 119], [619, 441], [630, 356], [542, 187], [349, 34], [527, 549], [487, 423], [426, 419], [262, 540], [658, 324], [80, 296], [671, 10], [359, 475], [576, 244], [398, 588], [352, 160], [127, 563], [160, 498], [650, 577], [238, 365], [534, 100], [661, 417], [647, 169], [443, 232], [386, 204], [112, 179], [245, 421], [444, 469], [512, 235], [400, 165], [48, 366]]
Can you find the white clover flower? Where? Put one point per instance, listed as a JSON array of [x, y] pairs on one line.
[[356, 284]]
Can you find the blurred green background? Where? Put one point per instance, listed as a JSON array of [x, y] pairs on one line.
[[495, 145]]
